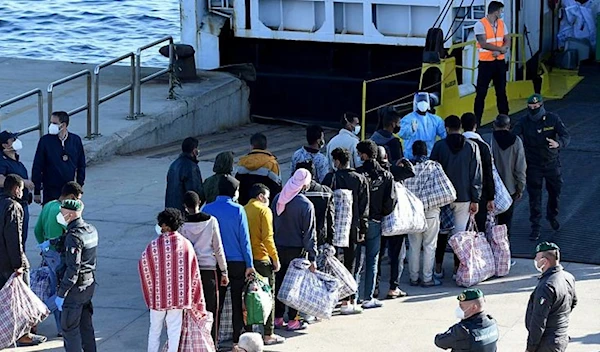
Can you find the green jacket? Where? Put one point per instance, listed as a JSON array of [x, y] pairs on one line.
[[47, 228]]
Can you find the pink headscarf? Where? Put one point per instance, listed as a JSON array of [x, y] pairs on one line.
[[293, 186]]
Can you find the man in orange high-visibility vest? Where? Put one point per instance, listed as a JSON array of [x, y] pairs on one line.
[[492, 43]]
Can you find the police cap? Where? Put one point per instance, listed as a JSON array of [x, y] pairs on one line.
[[72, 204], [546, 246], [535, 98], [470, 294]]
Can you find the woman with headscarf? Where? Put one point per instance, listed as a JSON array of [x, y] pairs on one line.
[[294, 226]]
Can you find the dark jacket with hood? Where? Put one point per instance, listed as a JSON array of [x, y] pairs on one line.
[[381, 189], [534, 131], [461, 162], [223, 166], [509, 157], [322, 199], [351, 180], [488, 191], [184, 175], [391, 144], [12, 256]]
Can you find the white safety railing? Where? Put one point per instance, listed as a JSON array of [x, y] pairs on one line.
[[93, 99], [138, 71]]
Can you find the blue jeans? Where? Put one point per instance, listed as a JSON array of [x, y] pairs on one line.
[[372, 246]]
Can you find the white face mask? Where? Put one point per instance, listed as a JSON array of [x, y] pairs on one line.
[[60, 218], [356, 130], [17, 145], [423, 106], [459, 313], [538, 268], [53, 129], [158, 229], [236, 196]]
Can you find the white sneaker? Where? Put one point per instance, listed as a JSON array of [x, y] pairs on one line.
[[373, 303], [350, 309]]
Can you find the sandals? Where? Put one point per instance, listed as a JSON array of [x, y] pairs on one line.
[[274, 340]]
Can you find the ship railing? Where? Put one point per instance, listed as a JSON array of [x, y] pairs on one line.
[[517, 40], [86, 107], [128, 88], [40, 107], [138, 72], [396, 102]]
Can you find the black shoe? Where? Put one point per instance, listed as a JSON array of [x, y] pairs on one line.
[[555, 224], [535, 235]]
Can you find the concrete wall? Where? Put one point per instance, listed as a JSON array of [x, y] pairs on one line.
[[218, 102]]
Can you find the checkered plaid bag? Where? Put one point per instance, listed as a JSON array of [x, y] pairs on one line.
[[225, 324], [195, 334], [329, 264], [446, 219], [503, 200], [408, 215], [41, 283], [311, 293], [475, 254], [431, 185], [20, 309], [497, 235], [342, 200]]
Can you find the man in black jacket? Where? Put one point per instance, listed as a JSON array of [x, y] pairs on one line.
[[475, 332], [544, 135], [346, 178], [381, 203], [551, 303], [59, 158], [390, 123], [461, 162], [12, 255], [488, 191], [184, 175], [322, 198]]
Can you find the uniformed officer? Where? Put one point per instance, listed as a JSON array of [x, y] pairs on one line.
[[544, 135], [551, 303], [476, 331], [74, 296]]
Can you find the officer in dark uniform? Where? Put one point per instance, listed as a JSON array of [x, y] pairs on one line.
[[75, 291], [551, 303], [475, 332], [544, 135]]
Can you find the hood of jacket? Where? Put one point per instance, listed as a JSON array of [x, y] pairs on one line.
[[257, 159], [196, 228], [200, 217], [382, 137], [455, 142], [223, 163], [504, 139]]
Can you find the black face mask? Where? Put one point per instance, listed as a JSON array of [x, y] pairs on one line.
[[537, 114], [396, 129]]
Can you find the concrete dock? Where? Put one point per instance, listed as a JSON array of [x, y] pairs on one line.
[[123, 194]]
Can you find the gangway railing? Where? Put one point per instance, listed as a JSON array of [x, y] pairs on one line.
[[86, 107], [512, 62], [138, 72], [40, 106], [128, 88]]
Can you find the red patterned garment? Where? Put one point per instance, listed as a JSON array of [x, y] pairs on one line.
[[170, 275]]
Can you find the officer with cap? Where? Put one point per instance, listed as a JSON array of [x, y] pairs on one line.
[[551, 303], [544, 135], [75, 291], [476, 331]]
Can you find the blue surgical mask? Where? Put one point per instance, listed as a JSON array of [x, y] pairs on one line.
[[501, 15]]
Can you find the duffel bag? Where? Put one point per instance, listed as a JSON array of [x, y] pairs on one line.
[[311, 293]]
